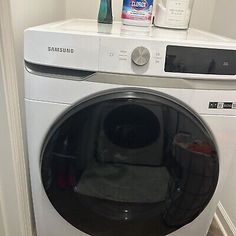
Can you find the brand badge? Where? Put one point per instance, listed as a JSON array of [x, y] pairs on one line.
[[139, 4], [61, 50]]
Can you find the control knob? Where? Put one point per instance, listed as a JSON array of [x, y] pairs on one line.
[[140, 56]]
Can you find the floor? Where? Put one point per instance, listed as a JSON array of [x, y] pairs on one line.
[[214, 229]]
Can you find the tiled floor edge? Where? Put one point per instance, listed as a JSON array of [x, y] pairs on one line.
[[220, 225], [225, 224]]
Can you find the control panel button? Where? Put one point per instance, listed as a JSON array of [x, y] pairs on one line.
[[140, 56]]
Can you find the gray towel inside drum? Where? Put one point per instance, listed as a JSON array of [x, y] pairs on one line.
[[125, 183]]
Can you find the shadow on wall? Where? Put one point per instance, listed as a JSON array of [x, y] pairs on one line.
[[223, 21]]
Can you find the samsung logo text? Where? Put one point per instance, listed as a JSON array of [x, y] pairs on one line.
[[61, 50]]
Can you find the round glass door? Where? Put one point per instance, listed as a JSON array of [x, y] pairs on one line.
[[129, 163]]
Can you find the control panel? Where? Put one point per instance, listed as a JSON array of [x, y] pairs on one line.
[[157, 58], [151, 55], [128, 56]]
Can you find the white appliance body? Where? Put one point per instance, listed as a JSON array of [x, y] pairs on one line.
[[77, 45]]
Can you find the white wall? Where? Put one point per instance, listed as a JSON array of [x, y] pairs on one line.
[[89, 9], [26, 13], [223, 23], [8, 198], [224, 18], [203, 12], [2, 225], [201, 17]]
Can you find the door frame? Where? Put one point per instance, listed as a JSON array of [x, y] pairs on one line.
[[15, 201]]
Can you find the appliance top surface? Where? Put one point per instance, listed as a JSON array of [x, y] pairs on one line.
[[117, 29]]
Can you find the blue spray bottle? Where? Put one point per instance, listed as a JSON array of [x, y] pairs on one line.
[[105, 12]]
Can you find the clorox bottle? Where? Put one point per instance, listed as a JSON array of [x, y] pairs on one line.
[[137, 12]]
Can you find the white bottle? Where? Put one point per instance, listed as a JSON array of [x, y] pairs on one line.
[[173, 13]]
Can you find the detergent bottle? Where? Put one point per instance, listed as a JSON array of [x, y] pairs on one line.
[[105, 12], [137, 12]]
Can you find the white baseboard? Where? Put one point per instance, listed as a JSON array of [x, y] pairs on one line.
[[226, 225]]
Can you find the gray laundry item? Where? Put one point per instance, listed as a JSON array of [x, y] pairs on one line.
[[125, 183]]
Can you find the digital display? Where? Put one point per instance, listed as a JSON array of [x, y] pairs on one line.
[[197, 60]]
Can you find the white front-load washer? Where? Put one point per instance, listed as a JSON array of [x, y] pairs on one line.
[[130, 130]]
